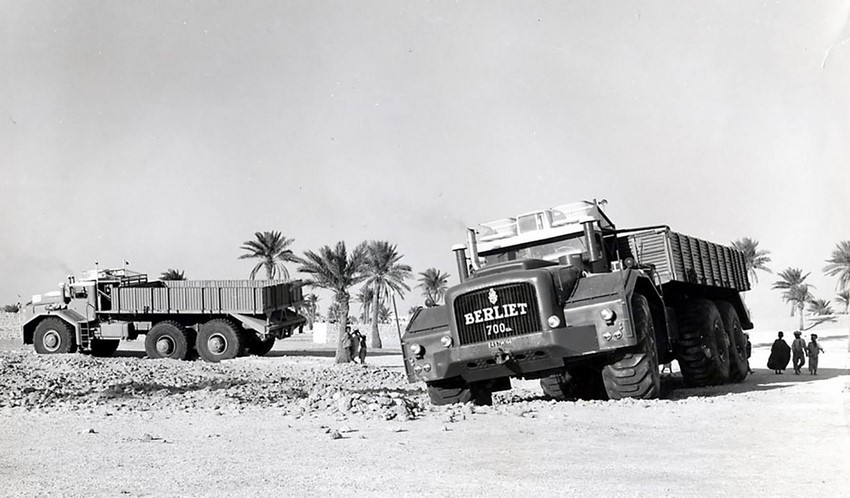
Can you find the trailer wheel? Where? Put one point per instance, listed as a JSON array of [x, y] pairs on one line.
[[261, 348], [635, 374], [104, 348], [703, 345], [219, 339], [560, 387], [54, 336], [457, 390], [738, 365], [168, 339]]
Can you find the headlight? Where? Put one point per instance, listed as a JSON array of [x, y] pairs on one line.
[[554, 321], [446, 341], [608, 315], [417, 350]]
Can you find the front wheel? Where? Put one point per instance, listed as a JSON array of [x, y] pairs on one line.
[[635, 374], [457, 390], [54, 336]]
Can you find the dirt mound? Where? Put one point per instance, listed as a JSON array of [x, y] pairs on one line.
[[72, 382]]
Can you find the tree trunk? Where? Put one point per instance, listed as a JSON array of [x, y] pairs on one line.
[[801, 317], [343, 354], [375, 335]]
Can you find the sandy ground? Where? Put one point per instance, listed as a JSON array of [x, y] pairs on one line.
[[295, 424]]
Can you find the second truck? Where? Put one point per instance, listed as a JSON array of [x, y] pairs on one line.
[[181, 319], [563, 296]]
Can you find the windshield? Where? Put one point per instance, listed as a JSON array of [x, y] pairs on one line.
[[550, 251]]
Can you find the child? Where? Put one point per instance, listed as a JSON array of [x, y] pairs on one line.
[[814, 350]]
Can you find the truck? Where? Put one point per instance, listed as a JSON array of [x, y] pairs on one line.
[[181, 319], [562, 295]]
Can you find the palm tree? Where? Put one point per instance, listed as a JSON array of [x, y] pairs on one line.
[[336, 270], [311, 304], [365, 298], [843, 298], [821, 312], [433, 284], [272, 249], [839, 265], [798, 296], [385, 276], [754, 258], [172, 274], [384, 314], [789, 280]]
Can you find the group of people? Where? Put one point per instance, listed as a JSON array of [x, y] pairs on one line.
[[781, 353], [355, 343]]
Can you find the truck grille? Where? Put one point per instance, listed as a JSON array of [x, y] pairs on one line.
[[513, 313]]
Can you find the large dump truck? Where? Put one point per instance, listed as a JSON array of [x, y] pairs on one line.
[[214, 319], [563, 296]]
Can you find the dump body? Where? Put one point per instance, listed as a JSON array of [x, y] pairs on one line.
[[680, 258]]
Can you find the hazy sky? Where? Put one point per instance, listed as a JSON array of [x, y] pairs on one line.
[[167, 133]]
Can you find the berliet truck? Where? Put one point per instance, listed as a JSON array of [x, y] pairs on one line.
[[563, 296], [214, 319]]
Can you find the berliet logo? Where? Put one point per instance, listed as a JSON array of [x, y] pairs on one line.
[[495, 312]]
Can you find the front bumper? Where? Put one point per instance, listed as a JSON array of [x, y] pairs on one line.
[[518, 356]]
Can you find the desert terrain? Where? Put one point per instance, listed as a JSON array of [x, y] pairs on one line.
[[293, 423]]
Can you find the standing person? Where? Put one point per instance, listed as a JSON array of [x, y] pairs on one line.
[[749, 352], [814, 350], [780, 355], [798, 350], [355, 345], [361, 340], [347, 342]]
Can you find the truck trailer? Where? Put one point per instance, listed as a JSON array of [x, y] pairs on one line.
[[213, 319], [563, 296]]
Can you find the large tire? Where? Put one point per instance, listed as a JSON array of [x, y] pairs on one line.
[[560, 387], [168, 339], [738, 364], [219, 339], [456, 390], [104, 348], [703, 346], [635, 374], [260, 348], [54, 336]]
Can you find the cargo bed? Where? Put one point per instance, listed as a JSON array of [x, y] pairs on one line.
[[254, 297], [681, 258]]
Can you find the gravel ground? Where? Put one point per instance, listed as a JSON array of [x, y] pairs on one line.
[[294, 423]]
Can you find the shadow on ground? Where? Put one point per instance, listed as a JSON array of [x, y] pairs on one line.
[[761, 380]]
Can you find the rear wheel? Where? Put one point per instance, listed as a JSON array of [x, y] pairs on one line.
[[168, 339], [703, 345], [738, 367], [457, 390], [104, 347], [635, 374], [54, 336], [261, 348], [560, 387], [219, 339]]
